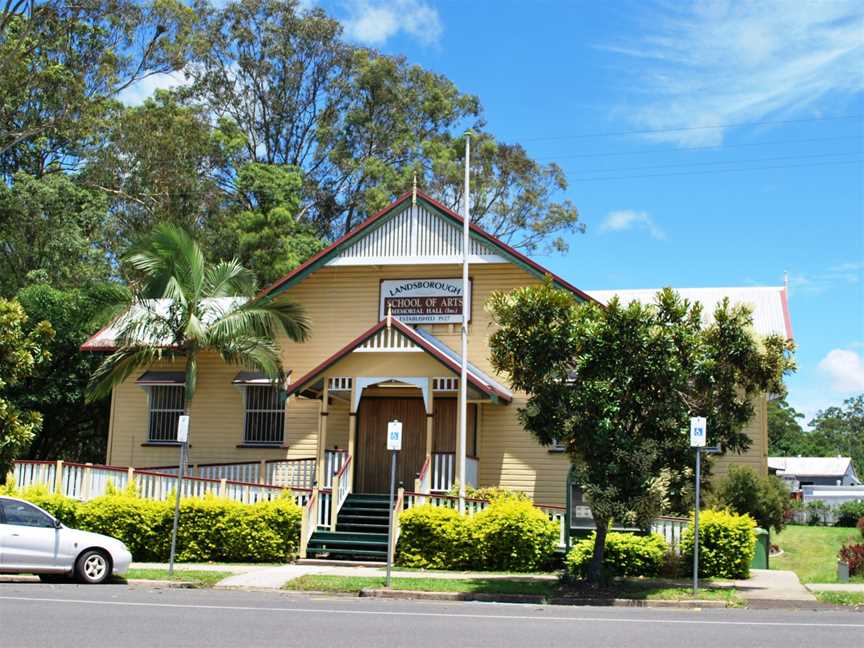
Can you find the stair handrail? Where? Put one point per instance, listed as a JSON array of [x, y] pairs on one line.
[[309, 521], [341, 490], [397, 509], [423, 483]]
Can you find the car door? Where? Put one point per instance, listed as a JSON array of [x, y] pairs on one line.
[[29, 540]]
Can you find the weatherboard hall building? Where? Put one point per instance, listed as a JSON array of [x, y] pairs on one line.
[[358, 371]]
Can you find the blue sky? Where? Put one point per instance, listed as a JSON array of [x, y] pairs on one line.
[[742, 155]]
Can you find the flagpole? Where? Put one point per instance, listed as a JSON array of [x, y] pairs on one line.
[[466, 297]]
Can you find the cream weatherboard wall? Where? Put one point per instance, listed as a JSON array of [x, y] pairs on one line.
[[342, 302]]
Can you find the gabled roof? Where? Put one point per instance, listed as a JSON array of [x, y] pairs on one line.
[[449, 359], [394, 208], [811, 466], [105, 339], [769, 303]]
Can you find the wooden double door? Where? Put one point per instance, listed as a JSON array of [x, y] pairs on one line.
[[372, 470]]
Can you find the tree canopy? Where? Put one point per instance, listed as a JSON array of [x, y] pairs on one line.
[[617, 386], [835, 431]]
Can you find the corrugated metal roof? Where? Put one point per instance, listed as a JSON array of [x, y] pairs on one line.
[[106, 338], [770, 309], [810, 466]]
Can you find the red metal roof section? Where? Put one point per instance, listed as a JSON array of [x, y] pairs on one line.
[[787, 317], [448, 212], [414, 337]]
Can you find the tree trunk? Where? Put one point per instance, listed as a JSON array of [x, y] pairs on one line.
[[595, 569]]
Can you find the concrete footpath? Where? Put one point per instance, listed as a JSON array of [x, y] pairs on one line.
[[774, 587]]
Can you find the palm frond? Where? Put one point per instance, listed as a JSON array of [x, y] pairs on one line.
[[118, 367], [171, 263], [254, 353], [264, 320], [229, 279]]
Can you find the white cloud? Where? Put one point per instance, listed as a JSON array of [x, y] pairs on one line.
[[719, 62], [816, 283], [845, 370], [373, 22], [627, 219], [136, 93]]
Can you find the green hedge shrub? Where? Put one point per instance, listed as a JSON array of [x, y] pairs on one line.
[[727, 542], [513, 535], [848, 513], [434, 538], [765, 498], [210, 528], [625, 554], [509, 535]]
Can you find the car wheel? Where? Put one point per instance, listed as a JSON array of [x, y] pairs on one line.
[[93, 567], [53, 578]]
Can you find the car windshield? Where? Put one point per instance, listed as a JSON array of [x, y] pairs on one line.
[[24, 514]]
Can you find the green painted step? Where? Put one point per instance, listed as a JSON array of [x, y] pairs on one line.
[[353, 527], [347, 554], [342, 536]]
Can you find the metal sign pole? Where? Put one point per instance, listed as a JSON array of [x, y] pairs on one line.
[[180, 474], [390, 516], [183, 439], [696, 524]]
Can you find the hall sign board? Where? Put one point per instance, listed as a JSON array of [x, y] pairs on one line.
[[424, 301]]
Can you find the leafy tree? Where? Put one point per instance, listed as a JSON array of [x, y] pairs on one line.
[[785, 434], [207, 307], [71, 428], [158, 162], [841, 431], [765, 498], [61, 63], [20, 353], [360, 125], [49, 224], [617, 386], [512, 196], [833, 432], [263, 228]]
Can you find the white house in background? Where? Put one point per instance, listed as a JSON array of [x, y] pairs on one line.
[[814, 471]]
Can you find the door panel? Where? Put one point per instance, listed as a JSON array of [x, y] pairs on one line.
[[28, 539], [444, 428], [372, 472]]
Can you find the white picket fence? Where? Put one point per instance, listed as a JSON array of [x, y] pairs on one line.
[[86, 481], [293, 473]]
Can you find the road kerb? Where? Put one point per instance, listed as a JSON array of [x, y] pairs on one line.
[[538, 599]]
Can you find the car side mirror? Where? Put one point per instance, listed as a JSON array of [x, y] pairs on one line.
[[58, 524]]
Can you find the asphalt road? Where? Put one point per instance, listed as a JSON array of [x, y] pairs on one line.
[[56, 616]]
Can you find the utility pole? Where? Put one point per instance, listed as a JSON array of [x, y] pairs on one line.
[[466, 295]]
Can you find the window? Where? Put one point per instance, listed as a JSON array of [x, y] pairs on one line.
[[265, 415], [557, 446], [25, 515], [166, 406]]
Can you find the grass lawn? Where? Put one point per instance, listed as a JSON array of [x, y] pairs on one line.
[[841, 598], [201, 578], [321, 583], [632, 589], [811, 551]]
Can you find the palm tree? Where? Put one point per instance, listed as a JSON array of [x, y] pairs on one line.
[[179, 305]]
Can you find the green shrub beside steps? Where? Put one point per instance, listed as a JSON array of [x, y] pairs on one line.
[[727, 542], [210, 528], [625, 554], [509, 535]]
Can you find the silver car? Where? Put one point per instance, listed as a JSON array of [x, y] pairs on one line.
[[32, 541]]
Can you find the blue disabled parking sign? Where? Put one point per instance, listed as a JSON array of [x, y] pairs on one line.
[[697, 432]]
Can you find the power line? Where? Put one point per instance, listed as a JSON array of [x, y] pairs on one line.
[[721, 162], [698, 148], [710, 171], [692, 128]]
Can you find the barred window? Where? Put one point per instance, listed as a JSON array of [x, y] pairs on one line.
[[265, 415], [166, 406]]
